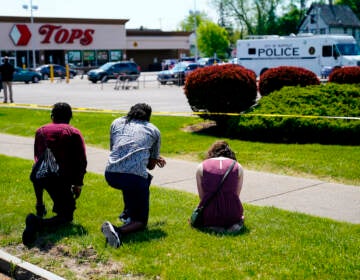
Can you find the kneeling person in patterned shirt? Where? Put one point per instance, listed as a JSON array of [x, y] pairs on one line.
[[134, 148]]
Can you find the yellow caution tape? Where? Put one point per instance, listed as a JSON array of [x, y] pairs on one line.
[[184, 113]]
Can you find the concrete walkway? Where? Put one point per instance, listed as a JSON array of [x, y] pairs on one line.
[[336, 201]]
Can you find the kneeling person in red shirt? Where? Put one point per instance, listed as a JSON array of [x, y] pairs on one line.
[[68, 147]]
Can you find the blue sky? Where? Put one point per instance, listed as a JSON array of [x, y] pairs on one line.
[[164, 14]]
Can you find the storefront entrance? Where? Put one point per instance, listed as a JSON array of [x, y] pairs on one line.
[[52, 56]]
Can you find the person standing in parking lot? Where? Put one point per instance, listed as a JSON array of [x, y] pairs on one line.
[[7, 73]]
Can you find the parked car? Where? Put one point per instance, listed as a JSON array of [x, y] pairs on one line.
[[191, 67], [207, 61], [187, 59], [177, 74], [167, 64], [73, 67], [23, 75], [59, 71], [111, 70]]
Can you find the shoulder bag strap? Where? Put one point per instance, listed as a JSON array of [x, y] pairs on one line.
[[206, 203]]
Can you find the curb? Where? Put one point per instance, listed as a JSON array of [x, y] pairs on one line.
[[21, 270]]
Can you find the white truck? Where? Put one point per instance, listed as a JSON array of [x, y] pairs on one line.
[[314, 52]]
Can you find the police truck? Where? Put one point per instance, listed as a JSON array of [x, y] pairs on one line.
[[313, 52]]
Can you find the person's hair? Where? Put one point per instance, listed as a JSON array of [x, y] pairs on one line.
[[220, 149], [61, 113], [140, 111]]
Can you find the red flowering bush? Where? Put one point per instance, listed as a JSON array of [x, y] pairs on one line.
[[218, 89], [345, 75], [276, 78]]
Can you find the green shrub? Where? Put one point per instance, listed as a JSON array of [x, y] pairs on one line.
[[278, 77], [345, 75], [305, 115], [225, 88]]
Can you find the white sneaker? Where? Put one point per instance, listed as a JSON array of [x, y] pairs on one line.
[[112, 237]]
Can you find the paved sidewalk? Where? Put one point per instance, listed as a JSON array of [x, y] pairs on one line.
[[314, 197]]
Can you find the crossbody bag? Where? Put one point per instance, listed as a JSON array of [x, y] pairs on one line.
[[196, 219]]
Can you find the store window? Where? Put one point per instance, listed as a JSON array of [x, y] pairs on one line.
[[102, 57], [75, 57], [89, 58], [115, 55]]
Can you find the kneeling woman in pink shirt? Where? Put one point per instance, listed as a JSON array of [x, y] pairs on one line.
[[224, 211]]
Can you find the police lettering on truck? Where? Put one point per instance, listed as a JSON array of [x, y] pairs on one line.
[[279, 50], [313, 52]]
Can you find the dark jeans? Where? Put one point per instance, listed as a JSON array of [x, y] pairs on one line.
[[61, 195], [135, 191]]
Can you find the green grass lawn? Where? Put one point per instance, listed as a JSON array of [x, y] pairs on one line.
[[326, 162], [275, 244]]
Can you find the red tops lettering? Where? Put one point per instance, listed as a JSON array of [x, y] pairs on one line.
[[62, 35]]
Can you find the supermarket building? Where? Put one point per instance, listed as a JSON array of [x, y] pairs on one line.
[[87, 42]]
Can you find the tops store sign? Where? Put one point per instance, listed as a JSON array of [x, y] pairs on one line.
[[20, 35], [65, 36], [62, 35]]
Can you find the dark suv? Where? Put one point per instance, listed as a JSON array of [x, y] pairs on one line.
[[112, 70]]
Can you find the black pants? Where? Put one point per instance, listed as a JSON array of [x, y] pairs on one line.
[[135, 191], [62, 197]]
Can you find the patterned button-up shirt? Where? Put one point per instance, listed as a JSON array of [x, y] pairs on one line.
[[132, 144]]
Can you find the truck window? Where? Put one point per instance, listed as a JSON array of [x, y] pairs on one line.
[[252, 51], [326, 51], [348, 49]]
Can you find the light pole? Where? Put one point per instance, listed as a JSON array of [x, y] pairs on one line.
[[193, 15], [32, 7], [195, 23]]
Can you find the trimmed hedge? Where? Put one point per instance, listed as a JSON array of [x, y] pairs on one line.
[[224, 88], [345, 75], [304, 115], [278, 77]]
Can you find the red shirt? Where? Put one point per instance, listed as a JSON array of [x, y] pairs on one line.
[[68, 147]]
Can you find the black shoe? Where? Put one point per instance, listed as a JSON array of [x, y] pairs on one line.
[[40, 210], [32, 226]]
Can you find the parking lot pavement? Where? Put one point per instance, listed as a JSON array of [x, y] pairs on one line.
[[81, 93]]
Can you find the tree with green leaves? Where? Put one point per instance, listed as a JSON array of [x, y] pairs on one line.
[[193, 20], [353, 4], [289, 22], [254, 17], [212, 39], [260, 17]]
